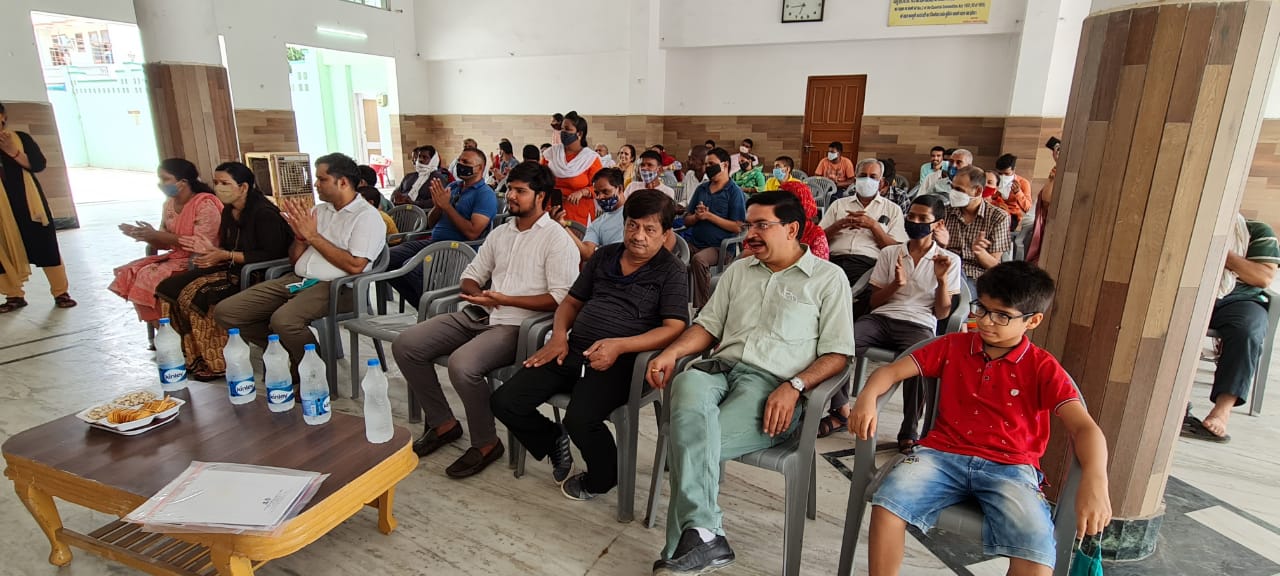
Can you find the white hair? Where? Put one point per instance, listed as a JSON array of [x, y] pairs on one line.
[[967, 155], [868, 161]]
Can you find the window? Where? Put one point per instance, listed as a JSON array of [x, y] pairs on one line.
[[100, 44], [79, 42], [380, 4], [60, 51]]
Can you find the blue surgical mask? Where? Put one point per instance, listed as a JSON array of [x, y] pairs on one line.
[[779, 174], [567, 138], [951, 171], [608, 204], [170, 190]]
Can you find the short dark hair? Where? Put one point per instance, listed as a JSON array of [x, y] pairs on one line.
[[429, 149], [650, 154], [613, 175], [530, 152], [484, 159], [1, 107], [370, 194], [937, 149], [183, 169], [341, 166], [948, 152], [837, 145], [786, 207], [660, 147], [749, 142], [791, 164], [1018, 284], [538, 177], [1006, 161], [505, 147], [711, 143], [721, 154], [935, 204], [368, 174], [557, 116], [544, 146], [646, 203]]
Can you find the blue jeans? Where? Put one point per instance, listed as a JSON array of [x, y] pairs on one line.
[[1016, 522]]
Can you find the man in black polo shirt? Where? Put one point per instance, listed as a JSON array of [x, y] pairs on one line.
[[629, 298]]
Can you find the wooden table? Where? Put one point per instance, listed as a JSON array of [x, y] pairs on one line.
[[115, 474]]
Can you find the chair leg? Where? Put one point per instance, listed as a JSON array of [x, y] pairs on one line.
[[658, 472], [330, 354], [382, 354], [863, 471], [415, 411], [812, 508], [795, 503], [628, 442], [355, 364]]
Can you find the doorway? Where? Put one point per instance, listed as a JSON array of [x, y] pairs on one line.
[[343, 102], [832, 113]]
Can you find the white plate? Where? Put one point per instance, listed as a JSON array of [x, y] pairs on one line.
[[134, 424], [153, 422]]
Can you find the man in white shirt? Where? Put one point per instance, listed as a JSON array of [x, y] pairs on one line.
[[648, 176], [858, 226], [531, 264], [913, 285], [606, 159], [341, 236]]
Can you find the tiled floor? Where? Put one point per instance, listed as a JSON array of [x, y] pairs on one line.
[[1224, 501]]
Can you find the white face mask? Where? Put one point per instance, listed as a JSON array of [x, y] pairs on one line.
[[1004, 185], [421, 168], [959, 199], [832, 156], [744, 150], [867, 187]]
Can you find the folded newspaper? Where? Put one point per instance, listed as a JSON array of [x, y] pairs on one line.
[[228, 498]]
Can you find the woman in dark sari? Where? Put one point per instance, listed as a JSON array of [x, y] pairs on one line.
[[252, 231]]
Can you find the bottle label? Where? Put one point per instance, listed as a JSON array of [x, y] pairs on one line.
[[174, 374], [279, 392], [241, 387], [316, 406]]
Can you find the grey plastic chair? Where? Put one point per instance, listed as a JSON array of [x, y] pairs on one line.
[[1268, 344], [681, 250], [953, 322], [794, 458], [248, 270], [822, 188], [409, 219], [442, 267], [965, 518]]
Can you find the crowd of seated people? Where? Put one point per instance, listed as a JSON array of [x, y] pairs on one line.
[[781, 318]]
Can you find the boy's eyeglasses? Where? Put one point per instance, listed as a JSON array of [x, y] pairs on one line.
[[997, 318]]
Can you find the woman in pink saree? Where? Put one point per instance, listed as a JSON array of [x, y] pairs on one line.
[[191, 209]]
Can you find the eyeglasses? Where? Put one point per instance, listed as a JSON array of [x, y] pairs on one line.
[[762, 225], [997, 318]]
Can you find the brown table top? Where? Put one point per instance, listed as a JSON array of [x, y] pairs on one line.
[[209, 429]]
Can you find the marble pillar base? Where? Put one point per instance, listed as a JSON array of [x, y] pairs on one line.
[[1132, 538]]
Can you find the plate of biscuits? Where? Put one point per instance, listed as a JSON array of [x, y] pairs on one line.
[[132, 413]]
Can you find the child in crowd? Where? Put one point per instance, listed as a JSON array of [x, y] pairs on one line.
[[996, 392]]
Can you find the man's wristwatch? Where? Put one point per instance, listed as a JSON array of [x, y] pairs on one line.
[[796, 383]]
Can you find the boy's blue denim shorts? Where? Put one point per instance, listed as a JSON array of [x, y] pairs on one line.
[[1017, 521]]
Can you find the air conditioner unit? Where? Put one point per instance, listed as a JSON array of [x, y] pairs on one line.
[[283, 175]]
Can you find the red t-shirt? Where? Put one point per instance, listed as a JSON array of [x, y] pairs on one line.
[[997, 410]]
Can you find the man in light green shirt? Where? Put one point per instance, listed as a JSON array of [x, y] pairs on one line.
[[783, 321]]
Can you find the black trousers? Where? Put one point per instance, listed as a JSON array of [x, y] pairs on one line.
[[1242, 325], [594, 395], [854, 267]]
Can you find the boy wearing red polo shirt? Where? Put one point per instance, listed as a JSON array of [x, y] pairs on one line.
[[996, 390]]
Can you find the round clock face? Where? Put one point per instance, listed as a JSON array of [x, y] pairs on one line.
[[802, 10]]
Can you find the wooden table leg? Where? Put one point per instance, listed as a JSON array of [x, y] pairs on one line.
[[45, 512], [229, 564], [386, 520]]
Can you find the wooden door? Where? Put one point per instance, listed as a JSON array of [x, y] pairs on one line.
[[372, 136], [832, 113]]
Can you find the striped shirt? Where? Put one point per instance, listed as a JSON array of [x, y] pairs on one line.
[[540, 260], [991, 220]]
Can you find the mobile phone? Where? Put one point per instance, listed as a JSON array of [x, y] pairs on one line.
[[477, 314], [1053, 143]]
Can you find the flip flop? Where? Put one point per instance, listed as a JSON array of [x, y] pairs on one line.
[[831, 423], [1196, 430], [11, 304]]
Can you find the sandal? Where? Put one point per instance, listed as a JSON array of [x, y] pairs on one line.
[[64, 301], [1196, 430], [833, 422], [11, 304]]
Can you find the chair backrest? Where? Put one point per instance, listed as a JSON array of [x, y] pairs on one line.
[[959, 311], [820, 186], [443, 264], [578, 229], [799, 174], [682, 250], [409, 218]]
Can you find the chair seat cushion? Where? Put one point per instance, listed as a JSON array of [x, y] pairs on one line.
[[776, 458], [384, 328], [964, 519]]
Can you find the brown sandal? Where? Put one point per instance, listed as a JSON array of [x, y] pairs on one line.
[[11, 304], [64, 301]]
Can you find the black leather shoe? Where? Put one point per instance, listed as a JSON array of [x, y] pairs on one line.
[[473, 461], [430, 441], [693, 556], [561, 460]]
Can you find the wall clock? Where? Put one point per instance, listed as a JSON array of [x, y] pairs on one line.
[[802, 11]]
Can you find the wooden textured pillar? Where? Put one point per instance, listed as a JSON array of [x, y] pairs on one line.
[[189, 90], [1162, 122]]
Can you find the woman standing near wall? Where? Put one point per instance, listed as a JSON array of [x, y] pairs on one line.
[[27, 235], [574, 165]]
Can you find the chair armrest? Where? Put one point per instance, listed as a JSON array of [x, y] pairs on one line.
[[725, 246], [532, 331], [247, 271], [816, 404], [428, 299], [421, 235], [862, 283], [363, 281], [278, 271], [442, 304], [335, 287]]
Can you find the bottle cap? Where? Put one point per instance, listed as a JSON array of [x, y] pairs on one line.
[[233, 332], [273, 338], [373, 362], [308, 347], [164, 321]]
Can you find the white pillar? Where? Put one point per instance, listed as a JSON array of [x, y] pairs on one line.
[[1046, 57], [178, 31], [647, 82]]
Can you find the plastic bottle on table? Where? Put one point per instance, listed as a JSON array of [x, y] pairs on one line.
[[377, 407], [315, 387], [240, 386], [279, 382], [169, 358]]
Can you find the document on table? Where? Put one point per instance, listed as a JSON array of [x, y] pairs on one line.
[[232, 498]]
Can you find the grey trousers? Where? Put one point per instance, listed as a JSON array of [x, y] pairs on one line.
[[269, 308], [474, 350]]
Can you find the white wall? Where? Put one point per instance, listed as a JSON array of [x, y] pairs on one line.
[[1272, 109], [768, 80], [19, 57]]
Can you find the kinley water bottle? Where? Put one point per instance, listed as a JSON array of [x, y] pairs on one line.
[[239, 371], [280, 397], [315, 387], [377, 407], [169, 358]]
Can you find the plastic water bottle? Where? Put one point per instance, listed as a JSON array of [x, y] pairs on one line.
[[239, 371], [169, 358], [280, 396], [377, 407], [315, 387]]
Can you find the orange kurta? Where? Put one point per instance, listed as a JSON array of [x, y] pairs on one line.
[[585, 210]]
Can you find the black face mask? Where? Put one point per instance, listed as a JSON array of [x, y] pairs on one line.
[[713, 170], [465, 171]]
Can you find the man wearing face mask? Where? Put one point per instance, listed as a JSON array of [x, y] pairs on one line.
[[782, 167], [744, 149], [939, 182], [1013, 192], [648, 176], [912, 286], [715, 212], [976, 231], [606, 159], [836, 167], [413, 188], [858, 226], [607, 227]]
